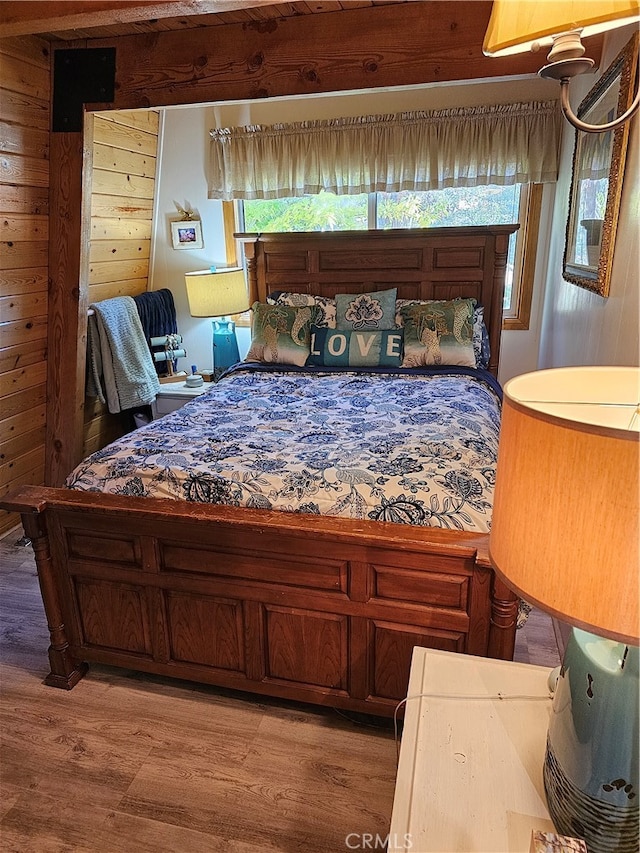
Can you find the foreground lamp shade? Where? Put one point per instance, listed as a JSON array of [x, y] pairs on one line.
[[216, 293], [564, 535], [516, 26], [565, 517]]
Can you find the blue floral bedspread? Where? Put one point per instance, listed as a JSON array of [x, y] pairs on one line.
[[411, 449]]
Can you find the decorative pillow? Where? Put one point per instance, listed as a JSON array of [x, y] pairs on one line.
[[481, 346], [279, 334], [325, 308], [351, 348], [366, 310], [439, 333]]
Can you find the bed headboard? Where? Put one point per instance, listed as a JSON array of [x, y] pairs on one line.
[[426, 263]]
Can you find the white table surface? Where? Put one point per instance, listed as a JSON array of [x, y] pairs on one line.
[[181, 389], [470, 771]]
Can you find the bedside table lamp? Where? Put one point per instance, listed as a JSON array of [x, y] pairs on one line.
[[564, 536], [217, 293]]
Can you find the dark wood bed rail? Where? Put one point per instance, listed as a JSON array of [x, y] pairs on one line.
[[226, 596]]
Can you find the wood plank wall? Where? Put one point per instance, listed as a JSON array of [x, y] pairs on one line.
[[125, 147], [124, 158], [24, 230]]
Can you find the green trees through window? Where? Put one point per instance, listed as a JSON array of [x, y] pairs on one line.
[[322, 212], [456, 206]]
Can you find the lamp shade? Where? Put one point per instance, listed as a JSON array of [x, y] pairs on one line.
[[216, 294], [564, 531], [516, 26]]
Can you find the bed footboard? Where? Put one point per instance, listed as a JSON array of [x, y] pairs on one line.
[[308, 608]]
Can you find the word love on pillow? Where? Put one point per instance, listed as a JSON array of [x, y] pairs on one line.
[[332, 347]]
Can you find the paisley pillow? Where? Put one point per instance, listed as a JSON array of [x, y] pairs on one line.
[[439, 333], [366, 310], [279, 334], [481, 345], [325, 308]]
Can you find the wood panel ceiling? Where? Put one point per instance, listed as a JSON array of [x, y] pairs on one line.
[[238, 49], [90, 19]]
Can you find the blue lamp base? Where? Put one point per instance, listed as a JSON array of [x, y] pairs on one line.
[[225, 345], [591, 765]]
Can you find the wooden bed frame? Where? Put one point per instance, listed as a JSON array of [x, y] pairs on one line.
[[314, 609]]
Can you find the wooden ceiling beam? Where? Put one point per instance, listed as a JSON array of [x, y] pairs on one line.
[[360, 48], [30, 17]]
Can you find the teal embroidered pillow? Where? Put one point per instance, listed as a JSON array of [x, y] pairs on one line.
[[366, 310], [350, 348], [279, 334], [481, 345], [439, 333]]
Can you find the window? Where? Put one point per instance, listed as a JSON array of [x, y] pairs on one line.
[[481, 205]]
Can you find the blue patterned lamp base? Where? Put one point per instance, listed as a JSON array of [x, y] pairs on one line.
[[591, 765], [225, 345]]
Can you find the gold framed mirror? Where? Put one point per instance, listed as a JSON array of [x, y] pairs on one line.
[[596, 181]]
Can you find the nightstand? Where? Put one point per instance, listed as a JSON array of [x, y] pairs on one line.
[[470, 769], [173, 395]]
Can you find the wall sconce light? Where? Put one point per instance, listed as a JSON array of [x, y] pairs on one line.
[[516, 26]]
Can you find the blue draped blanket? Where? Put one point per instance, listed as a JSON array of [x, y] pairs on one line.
[[120, 369]]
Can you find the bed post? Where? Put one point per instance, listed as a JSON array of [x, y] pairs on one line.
[[252, 270], [504, 614], [65, 671], [501, 249]]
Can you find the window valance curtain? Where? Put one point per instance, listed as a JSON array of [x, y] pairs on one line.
[[502, 144], [594, 160]]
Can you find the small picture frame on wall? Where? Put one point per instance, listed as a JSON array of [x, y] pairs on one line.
[[187, 234]]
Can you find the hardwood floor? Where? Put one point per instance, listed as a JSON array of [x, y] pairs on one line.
[[127, 762], [537, 641]]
